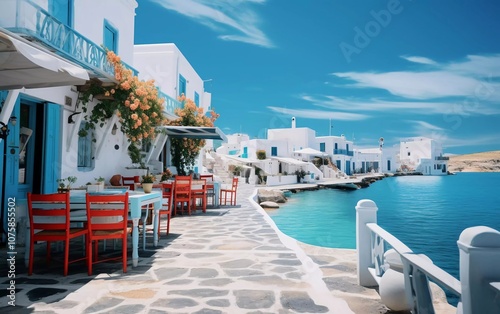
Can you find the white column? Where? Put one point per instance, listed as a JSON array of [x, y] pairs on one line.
[[366, 212], [479, 265]]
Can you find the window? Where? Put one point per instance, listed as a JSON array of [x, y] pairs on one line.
[[408, 153], [196, 99], [274, 151], [62, 10], [182, 85], [388, 165], [85, 149], [110, 37], [322, 147]]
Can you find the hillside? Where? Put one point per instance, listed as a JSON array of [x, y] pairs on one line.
[[478, 162]]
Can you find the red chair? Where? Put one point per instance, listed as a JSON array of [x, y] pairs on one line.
[[130, 182], [49, 216], [231, 192], [210, 187], [106, 219], [166, 206], [182, 193], [199, 194]]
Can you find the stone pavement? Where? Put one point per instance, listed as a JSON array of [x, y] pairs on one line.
[[228, 260]]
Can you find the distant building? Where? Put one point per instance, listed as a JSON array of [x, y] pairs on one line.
[[423, 155]]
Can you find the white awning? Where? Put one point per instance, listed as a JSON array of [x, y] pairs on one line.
[[25, 65], [201, 132]]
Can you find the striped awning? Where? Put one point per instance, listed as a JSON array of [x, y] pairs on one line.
[[211, 133]]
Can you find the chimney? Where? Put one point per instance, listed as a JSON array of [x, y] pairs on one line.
[[293, 122]]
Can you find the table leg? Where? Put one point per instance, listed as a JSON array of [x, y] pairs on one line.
[[156, 225], [135, 241]]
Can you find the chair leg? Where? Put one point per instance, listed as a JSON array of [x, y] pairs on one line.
[[30, 264], [89, 257], [124, 253], [66, 257]]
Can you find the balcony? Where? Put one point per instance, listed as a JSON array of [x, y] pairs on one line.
[[442, 158], [170, 104], [32, 22], [343, 152]]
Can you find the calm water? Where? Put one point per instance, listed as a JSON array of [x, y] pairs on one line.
[[426, 213]]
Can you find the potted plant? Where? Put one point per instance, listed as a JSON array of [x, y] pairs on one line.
[[64, 184], [166, 175], [99, 181], [147, 182], [300, 174]]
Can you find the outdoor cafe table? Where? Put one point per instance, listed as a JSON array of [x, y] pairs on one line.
[[136, 202]]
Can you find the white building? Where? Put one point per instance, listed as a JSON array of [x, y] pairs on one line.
[[423, 155], [49, 50]]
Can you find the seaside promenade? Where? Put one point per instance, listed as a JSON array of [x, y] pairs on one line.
[[228, 260]]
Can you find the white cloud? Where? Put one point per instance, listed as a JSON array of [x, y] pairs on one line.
[[319, 114], [476, 76], [422, 60], [233, 19], [465, 107]]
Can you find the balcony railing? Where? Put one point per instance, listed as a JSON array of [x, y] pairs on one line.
[[29, 20], [442, 158], [343, 152], [170, 103]]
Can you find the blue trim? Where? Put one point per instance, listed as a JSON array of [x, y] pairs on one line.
[[110, 36]]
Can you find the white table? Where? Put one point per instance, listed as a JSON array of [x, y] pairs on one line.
[[136, 201]]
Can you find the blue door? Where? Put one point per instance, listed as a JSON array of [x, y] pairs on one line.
[[348, 167]]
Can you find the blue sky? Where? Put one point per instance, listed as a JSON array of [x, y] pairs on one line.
[[391, 69]]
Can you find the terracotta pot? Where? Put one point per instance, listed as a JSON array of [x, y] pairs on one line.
[[147, 187]]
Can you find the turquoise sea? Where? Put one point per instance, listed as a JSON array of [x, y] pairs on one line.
[[426, 213]]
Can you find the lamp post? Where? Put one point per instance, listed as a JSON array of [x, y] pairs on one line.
[[381, 144]]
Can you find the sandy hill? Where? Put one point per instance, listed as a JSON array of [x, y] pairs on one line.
[[478, 162]]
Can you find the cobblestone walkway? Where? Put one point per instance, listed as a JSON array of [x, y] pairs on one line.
[[228, 260]]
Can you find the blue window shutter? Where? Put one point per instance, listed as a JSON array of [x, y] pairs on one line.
[[51, 148], [182, 85], [85, 154], [62, 10], [274, 151], [322, 147], [110, 37], [196, 99]]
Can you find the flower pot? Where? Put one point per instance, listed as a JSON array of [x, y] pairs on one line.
[[147, 187]]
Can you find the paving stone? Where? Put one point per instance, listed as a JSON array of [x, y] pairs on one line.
[[239, 263], [300, 302], [174, 303], [200, 293], [294, 275], [34, 281], [242, 272], [283, 269], [203, 273], [179, 282], [218, 282], [343, 284], [286, 262], [219, 302], [169, 272], [202, 255], [102, 304], [127, 309], [208, 311], [254, 299]]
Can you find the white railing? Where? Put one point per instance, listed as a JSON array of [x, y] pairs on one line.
[[479, 288]]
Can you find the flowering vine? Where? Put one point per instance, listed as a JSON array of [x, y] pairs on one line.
[[135, 102], [185, 150]]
